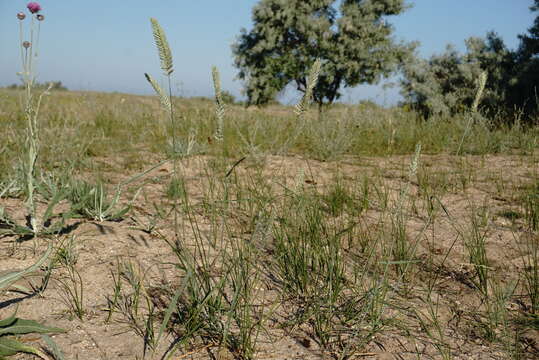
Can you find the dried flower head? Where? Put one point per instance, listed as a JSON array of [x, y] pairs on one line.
[[21, 16], [34, 7], [26, 44], [40, 17]]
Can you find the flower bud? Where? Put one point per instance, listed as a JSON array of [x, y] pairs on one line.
[[21, 16], [34, 7], [26, 44], [40, 17]]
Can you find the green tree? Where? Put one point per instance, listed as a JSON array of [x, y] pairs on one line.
[[525, 87], [529, 43], [447, 83], [228, 98], [351, 37]]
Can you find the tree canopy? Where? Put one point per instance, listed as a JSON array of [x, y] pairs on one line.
[[524, 90], [351, 37], [446, 83]]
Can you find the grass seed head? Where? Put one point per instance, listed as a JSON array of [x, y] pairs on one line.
[[481, 83], [165, 55]]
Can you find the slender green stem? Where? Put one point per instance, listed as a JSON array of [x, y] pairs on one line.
[[175, 161], [21, 39]]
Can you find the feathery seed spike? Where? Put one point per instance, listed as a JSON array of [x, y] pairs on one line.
[[165, 101], [219, 105], [482, 82], [312, 80], [165, 55]]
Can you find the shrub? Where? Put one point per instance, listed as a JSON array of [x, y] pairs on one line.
[[446, 84]]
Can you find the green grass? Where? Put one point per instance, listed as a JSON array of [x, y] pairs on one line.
[[95, 125]]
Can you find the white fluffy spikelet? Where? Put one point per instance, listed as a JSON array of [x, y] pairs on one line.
[[219, 105], [165, 101], [482, 82], [312, 80], [165, 55]]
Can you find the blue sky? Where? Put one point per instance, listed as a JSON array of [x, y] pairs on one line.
[[107, 45]]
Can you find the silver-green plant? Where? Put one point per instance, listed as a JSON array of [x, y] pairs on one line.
[[94, 202], [13, 326], [31, 108]]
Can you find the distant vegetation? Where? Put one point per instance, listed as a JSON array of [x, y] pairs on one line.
[[55, 85], [446, 84], [227, 96], [354, 43]]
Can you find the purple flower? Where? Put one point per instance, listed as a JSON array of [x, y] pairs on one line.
[[21, 16], [34, 7]]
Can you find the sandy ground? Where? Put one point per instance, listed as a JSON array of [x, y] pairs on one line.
[[489, 182]]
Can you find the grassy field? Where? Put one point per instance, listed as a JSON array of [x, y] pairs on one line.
[[359, 233]]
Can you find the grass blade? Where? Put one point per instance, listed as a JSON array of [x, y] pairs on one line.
[[11, 277], [22, 326]]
